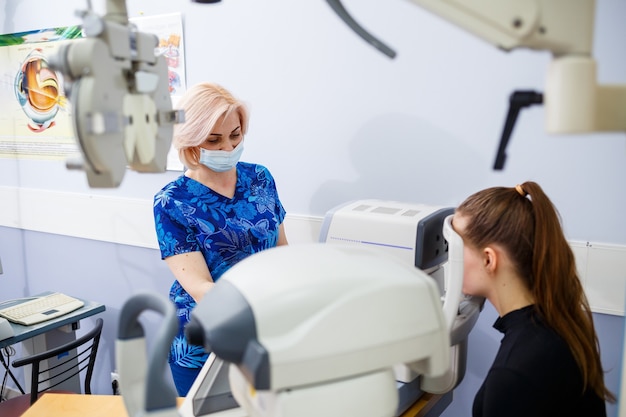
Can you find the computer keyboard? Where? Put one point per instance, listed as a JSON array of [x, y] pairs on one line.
[[42, 308]]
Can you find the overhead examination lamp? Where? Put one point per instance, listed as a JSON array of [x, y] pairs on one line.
[[574, 101]]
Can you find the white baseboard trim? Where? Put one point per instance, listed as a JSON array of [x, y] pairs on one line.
[[128, 221], [125, 221]]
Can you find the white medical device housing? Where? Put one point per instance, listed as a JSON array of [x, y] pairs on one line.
[[315, 329], [422, 237], [411, 232]]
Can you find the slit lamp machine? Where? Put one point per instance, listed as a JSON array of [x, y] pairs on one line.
[[319, 329]]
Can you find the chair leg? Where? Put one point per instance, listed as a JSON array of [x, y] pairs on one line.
[[8, 371]]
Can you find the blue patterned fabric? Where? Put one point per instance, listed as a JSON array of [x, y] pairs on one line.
[[190, 217]]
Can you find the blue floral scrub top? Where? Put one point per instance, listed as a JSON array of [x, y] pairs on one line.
[[190, 217]]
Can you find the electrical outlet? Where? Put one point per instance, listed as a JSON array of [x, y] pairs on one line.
[[115, 383]]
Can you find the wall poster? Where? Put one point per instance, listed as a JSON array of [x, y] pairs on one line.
[[169, 30], [35, 113]]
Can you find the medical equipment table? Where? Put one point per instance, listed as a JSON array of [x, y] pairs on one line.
[[21, 333], [53, 332]]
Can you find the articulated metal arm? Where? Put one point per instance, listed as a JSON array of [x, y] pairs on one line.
[[574, 101]]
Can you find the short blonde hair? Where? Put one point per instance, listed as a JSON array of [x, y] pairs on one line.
[[204, 104]]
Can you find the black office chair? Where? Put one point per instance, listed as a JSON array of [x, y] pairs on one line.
[[82, 356]]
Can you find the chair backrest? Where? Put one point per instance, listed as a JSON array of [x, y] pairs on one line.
[[80, 356]]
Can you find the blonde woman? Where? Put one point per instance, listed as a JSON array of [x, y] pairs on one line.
[[220, 211]]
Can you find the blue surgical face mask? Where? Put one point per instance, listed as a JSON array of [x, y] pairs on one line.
[[221, 161]]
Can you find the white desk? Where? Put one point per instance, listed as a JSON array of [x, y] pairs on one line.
[[48, 334]]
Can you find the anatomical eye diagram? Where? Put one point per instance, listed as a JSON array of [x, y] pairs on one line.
[[39, 91]]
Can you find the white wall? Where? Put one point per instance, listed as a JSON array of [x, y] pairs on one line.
[[335, 120]]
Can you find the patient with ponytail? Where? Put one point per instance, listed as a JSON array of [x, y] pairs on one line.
[[517, 257]]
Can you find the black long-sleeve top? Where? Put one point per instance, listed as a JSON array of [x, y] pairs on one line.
[[534, 374]]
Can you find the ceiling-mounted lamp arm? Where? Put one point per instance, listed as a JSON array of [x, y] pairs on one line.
[[517, 101], [341, 11]]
